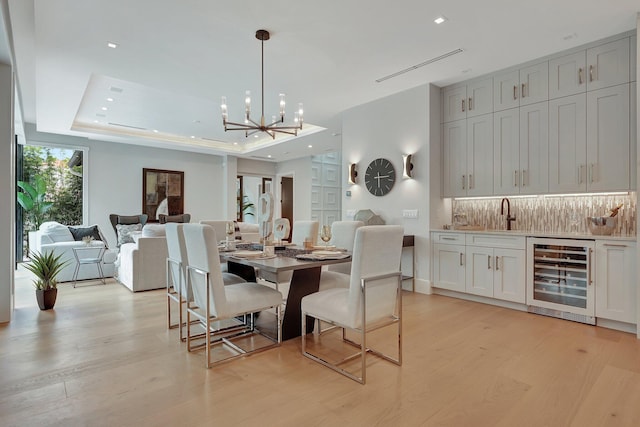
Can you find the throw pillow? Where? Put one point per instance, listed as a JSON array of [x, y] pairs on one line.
[[79, 232], [153, 230], [125, 232], [163, 219]]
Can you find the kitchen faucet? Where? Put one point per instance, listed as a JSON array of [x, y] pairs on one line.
[[509, 217]]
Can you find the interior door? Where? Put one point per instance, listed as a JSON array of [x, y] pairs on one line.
[[286, 200]]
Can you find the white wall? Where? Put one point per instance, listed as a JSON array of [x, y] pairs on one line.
[[300, 170], [389, 128], [7, 193], [115, 178]]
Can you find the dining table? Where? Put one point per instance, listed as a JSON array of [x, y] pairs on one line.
[[304, 273]]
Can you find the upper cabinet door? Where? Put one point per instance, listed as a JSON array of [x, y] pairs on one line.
[[534, 84], [567, 75], [568, 144], [454, 147], [506, 152], [455, 103], [534, 148], [608, 152], [608, 64], [506, 90], [480, 155], [480, 97]]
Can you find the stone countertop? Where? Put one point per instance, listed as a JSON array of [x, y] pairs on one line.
[[579, 236]]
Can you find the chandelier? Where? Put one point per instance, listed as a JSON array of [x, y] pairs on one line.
[[250, 126]]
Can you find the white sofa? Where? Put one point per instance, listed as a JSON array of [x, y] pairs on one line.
[[53, 236], [142, 264], [248, 232]]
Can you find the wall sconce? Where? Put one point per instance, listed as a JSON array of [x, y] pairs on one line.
[[407, 166], [353, 173]]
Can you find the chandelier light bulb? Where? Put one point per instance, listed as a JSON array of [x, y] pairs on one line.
[[282, 105], [247, 103], [223, 107]]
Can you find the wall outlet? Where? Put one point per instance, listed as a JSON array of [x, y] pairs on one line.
[[410, 213]]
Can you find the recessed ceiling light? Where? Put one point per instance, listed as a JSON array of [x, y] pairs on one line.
[[110, 99], [192, 136], [310, 146], [269, 155], [104, 108], [96, 121], [440, 19], [155, 131], [235, 143], [112, 45], [256, 136]]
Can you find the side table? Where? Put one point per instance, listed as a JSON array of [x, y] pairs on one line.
[[88, 255]]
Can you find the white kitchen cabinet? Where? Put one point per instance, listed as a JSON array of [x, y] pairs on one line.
[[454, 142], [615, 282], [509, 275], [468, 157], [454, 103], [633, 135], [608, 64], [448, 261], [496, 266], [568, 144], [506, 152], [521, 87], [467, 100], [567, 75], [534, 148], [608, 150], [480, 155], [479, 280], [589, 141], [521, 150]]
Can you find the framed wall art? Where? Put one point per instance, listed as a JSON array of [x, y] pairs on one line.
[[162, 193]]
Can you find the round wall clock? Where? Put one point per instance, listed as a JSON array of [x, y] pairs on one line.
[[380, 177]]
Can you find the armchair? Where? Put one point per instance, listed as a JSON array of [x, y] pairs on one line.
[[142, 263], [116, 219]]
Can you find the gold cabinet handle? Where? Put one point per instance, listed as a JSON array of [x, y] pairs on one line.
[[463, 186], [523, 87], [461, 261], [590, 73], [497, 263], [523, 176], [580, 76], [489, 262], [515, 92], [469, 105], [613, 245], [515, 178], [463, 105]]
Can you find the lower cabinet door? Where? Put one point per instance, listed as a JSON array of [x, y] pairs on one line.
[[448, 267], [480, 265], [616, 280], [509, 275]]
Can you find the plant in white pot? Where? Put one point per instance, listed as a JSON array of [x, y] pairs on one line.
[[45, 266]]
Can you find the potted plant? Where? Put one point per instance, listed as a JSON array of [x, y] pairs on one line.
[[46, 267], [31, 198]]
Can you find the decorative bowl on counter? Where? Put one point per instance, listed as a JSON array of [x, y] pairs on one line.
[[602, 225]]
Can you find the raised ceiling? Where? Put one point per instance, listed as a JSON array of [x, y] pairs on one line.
[[175, 59]]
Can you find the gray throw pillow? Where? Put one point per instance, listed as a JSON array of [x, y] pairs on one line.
[[79, 232], [125, 232]]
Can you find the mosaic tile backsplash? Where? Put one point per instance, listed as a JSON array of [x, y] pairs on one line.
[[553, 214]]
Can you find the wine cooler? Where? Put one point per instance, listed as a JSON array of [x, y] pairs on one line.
[[560, 278]]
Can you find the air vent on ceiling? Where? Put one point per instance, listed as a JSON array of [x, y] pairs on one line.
[[115, 89], [100, 115], [422, 64], [126, 126]]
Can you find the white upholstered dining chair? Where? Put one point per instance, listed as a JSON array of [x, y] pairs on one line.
[[372, 301], [225, 312], [177, 262], [304, 230]]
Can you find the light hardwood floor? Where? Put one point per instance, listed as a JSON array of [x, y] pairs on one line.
[[104, 357]]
